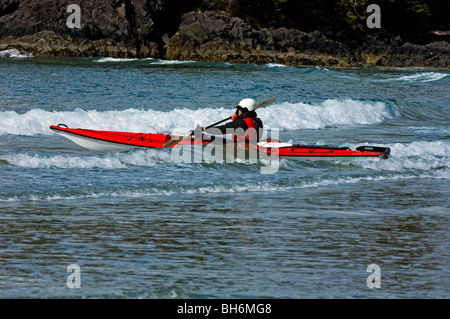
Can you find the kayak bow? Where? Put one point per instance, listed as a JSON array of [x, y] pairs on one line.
[[111, 141]]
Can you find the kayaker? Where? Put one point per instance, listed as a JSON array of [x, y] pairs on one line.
[[245, 117]]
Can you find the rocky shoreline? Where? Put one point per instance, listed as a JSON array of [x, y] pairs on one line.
[[210, 36], [139, 29]]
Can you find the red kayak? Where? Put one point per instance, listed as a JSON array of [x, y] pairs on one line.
[[110, 141]]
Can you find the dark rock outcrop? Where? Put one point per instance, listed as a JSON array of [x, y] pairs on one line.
[[210, 36], [120, 27], [391, 50]]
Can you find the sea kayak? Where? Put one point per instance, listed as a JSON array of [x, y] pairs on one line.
[[112, 141]]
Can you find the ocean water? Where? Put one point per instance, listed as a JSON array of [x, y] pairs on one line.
[[140, 225]]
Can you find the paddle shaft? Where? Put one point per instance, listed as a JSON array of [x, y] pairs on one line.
[[217, 123]]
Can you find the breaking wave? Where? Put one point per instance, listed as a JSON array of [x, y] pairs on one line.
[[419, 157], [150, 61], [142, 158], [422, 77], [328, 113], [283, 116], [14, 53], [108, 59]]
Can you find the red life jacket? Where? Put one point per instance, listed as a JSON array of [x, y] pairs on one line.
[[250, 122], [251, 134]]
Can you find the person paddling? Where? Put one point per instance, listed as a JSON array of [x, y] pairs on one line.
[[244, 118]]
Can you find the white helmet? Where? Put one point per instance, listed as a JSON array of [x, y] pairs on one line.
[[248, 104]]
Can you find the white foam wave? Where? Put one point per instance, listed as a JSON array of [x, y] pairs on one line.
[[422, 77], [417, 156], [281, 116], [14, 53], [328, 113], [61, 161], [141, 158], [152, 61], [108, 59], [37, 121], [171, 62], [275, 65]]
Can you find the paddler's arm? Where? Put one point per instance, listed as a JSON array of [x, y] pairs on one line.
[[237, 123], [223, 127]]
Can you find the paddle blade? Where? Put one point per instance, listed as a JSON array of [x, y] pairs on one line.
[[265, 102], [173, 141]]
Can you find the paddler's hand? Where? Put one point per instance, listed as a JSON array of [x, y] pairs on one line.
[[233, 116], [203, 128]]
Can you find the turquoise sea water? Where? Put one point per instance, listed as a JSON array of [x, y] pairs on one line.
[[140, 225]]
